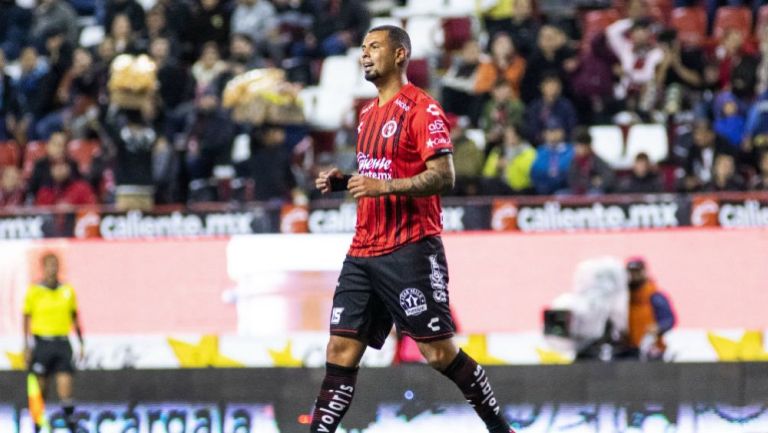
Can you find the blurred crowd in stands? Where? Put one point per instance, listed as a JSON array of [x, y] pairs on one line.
[[531, 88]]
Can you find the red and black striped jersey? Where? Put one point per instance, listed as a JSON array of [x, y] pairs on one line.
[[394, 141]]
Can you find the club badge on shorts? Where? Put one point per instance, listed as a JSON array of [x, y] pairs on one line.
[[413, 302]]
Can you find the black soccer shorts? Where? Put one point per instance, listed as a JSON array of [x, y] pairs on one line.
[[408, 287], [52, 355]]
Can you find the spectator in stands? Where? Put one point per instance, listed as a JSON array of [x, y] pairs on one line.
[[468, 157], [503, 64], [508, 167], [27, 87], [644, 178], [242, 54], [10, 109], [47, 101], [209, 22], [157, 27], [503, 110], [271, 164], [176, 17], [702, 147], [496, 14], [523, 28], [458, 91], [176, 84], [588, 173], [132, 139], [208, 136], [756, 127], [257, 19], [650, 315], [738, 66], [639, 57], [123, 35], [551, 105], [54, 16], [65, 188], [680, 72], [339, 25], [549, 172], [55, 152], [207, 68], [131, 9], [593, 83], [552, 56], [11, 187], [724, 176], [729, 120], [78, 93], [760, 181], [14, 24]]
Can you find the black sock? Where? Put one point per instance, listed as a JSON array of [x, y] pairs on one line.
[[476, 387], [68, 407], [334, 399]]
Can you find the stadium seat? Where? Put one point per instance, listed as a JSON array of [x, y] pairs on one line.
[[456, 32], [9, 153], [386, 21], [418, 73], [34, 151], [91, 36], [608, 144], [338, 71], [83, 152], [416, 8], [426, 36], [649, 138], [732, 17], [326, 109], [477, 136], [595, 22], [691, 25]]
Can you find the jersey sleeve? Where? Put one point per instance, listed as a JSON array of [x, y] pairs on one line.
[[430, 131], [28, 302]]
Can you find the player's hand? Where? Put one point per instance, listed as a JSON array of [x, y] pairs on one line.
[[363, 186], [323, 181]]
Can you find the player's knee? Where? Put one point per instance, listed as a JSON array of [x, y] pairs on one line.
[[438, 356], [342, 351]]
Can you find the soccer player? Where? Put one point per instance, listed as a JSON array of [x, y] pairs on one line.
[[396, 269], [50, 313]]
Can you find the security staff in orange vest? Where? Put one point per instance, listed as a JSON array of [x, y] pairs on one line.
[[650, 314]]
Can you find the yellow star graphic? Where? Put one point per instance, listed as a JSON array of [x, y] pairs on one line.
[[748, 348], [477, 347], [203, 354], [283, 357], [16, 360], [551, 357]]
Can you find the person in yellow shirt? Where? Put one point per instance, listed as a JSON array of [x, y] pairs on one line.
[[508, 167], [50, 315]]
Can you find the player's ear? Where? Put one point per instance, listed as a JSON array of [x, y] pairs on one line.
[[401, 56]]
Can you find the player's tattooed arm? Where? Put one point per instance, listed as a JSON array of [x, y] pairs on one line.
[[439, 177]]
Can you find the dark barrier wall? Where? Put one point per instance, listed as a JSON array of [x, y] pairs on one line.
[[292, 391]]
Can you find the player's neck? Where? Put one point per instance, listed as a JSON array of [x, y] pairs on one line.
[[390, 88]]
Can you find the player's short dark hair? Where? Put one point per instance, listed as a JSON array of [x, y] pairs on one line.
[[397, 36], [49, 255]]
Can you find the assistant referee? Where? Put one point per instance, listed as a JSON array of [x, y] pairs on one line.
[[50, 314]]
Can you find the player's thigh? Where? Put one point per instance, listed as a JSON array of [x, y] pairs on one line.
[[43, 358], [357, 311], [413, 282], [62, 360]]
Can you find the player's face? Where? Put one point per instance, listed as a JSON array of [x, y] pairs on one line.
[[50, 267], [378, 57]]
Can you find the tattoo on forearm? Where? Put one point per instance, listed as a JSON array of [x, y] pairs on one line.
[[434, 180]]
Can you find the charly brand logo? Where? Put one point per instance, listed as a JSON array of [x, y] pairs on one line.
[[413, 302], [377, 168], [389, 129], [437, 280], [433, 110]]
